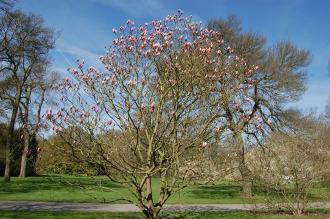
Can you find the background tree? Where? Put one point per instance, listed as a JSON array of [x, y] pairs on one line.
[[6, 5], [55, 157], [293, 164], [32, 101], [25, 43], [327, 112], [151, 94], [249, 114], [18, 144]]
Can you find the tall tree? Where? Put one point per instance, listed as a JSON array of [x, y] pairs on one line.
[[24, 43], [249, 115], [33, 100]]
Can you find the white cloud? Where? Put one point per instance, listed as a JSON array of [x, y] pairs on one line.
[[77, 53]]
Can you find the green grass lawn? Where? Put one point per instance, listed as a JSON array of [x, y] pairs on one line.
[[191, 215], [100, 189]]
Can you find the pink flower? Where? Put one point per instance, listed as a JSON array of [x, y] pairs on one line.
[[152, 107], [59, 114], [95, 108], [113, 80], [187, 45], [130, 48], [92, 69], [114, 30], [237, 106], [269, 121], [130, 22], [49, 114], [131, 39], [131, 83], [57, 128]]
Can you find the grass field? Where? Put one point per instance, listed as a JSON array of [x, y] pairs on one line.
[[194, 215], [100, 189]]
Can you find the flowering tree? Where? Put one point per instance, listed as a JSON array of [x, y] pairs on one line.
[[148, 114], [292, 165]]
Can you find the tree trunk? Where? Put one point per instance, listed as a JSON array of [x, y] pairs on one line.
[[22, 172], [246, 176], [7, 168], [151, 212], [246, 182], [9, 140], [26, 133]]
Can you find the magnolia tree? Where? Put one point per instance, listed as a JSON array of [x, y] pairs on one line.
[[288, 169], [150, 112]]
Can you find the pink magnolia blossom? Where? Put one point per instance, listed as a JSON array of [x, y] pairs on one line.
[[269, 121], [152, 107]]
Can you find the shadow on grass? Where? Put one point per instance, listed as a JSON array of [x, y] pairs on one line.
[[54, 183], [230, 191], [216, 192]]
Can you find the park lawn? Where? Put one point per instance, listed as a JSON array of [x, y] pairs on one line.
[[190, 215], [99, 189]]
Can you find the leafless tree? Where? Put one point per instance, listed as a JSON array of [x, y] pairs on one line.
[[6, 5], [24, 43], [32, 102], [280, 78]]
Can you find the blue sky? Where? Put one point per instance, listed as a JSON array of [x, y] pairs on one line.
[[85, 28]]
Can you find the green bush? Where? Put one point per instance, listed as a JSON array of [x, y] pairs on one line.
[[55, 157]]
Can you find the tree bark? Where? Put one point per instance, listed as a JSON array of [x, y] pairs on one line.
[[246, 176], [26, 134], [22, 172], [9, 140], [151, 212], [246, 182]]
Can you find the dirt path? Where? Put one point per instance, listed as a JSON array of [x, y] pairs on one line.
[[60, 206]]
